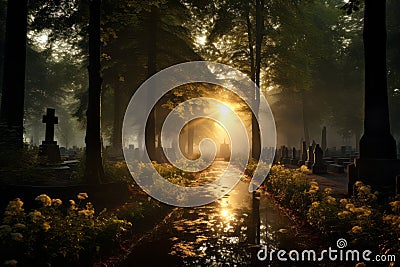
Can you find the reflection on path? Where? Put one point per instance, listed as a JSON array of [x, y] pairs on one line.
[[218, 234]]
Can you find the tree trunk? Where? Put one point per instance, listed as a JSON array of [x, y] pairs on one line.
[[255, 69], [94, 172], [13, 90], [377, 141], [150, 138], [256, 142]]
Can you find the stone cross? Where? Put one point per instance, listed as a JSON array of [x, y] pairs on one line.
[[50, 119]]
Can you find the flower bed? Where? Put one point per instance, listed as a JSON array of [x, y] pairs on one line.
[[362, 218]]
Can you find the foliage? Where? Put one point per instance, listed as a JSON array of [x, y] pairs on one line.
[[57, 234], [361, 218]]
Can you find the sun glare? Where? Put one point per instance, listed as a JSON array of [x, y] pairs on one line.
[[201, 39]]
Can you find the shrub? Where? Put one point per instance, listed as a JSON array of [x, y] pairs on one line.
[[360, 218], [57, 234]]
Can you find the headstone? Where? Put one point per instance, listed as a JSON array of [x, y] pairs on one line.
[[318, 166], [327, 153], [343, 151], [225, 151], [313, 144], [49, 147], [286, 158], [294, 160], [310, 157], [303, 156], [323, 140]]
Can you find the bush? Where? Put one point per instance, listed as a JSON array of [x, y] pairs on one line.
[[57, 234], [360, 218]]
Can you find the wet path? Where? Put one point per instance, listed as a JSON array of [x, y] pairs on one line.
[[218, 234]]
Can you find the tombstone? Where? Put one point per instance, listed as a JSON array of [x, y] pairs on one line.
[[49, 147], [318, 166], [286, 158], [343, 151], [323, 140], [293, 160], [303, 156], [313, 144], [225, 151], [310, 157]]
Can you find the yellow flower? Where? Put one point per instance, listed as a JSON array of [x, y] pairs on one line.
[[395, 203], [82, 196], [35, 215], [367, 212], [45, 199], [56, 202], [343, 214], [315, 204], [359, 183], [19, 226], [350, 207], [364, 189], [86, 213], [388, 217], [360, 264], [46, 226], [331, 200], [16, 236], [11, 263], [356, 229], [328, 191], [344, 201]]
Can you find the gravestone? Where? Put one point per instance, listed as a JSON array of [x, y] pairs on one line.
[[225, 151], [294, 160], [318, 166], [286, 158], [303, 155], [310, 157], [49, 147], [313, 144], [323, 140]]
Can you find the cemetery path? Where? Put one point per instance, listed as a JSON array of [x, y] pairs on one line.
[[217, 234]]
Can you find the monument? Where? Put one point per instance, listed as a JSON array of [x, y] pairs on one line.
[[318, 166], [303, 155], [49, 147], [323, 140]]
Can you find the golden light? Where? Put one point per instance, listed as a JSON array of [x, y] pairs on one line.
[[201, 39], [227, 214], [224, 213], [224, 110]]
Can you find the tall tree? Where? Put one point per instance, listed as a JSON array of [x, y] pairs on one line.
[[13, 90]]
